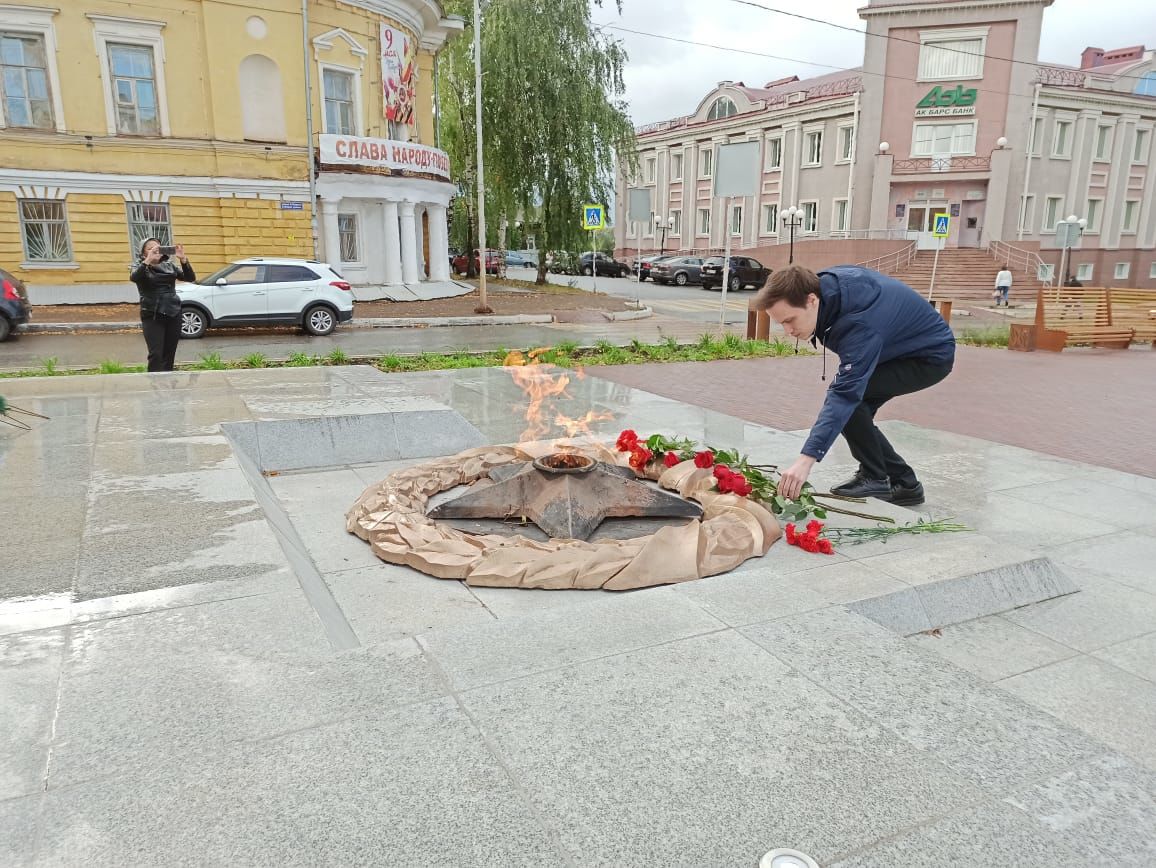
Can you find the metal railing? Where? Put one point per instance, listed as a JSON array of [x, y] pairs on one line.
[[891, 262], [920, 165], [1024, 261]]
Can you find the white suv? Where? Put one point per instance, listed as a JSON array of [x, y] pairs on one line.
[[260, 291]]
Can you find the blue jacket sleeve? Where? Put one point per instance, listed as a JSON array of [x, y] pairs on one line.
[[857, 362]]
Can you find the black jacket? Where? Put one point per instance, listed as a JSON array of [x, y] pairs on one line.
[[157, 286]]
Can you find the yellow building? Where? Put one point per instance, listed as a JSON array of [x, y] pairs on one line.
[[187, 120]]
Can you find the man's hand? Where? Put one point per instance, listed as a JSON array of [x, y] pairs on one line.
[[794, 477], [153, 256], [180, 253]]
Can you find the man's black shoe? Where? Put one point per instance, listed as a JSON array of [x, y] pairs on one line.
[[880, 488], [854, 482], [907, 495]]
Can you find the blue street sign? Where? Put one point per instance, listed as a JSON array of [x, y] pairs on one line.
[[292, 206], [593, 217], [942, 222]]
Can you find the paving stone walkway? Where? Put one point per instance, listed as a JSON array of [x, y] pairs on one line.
[[199, 666]]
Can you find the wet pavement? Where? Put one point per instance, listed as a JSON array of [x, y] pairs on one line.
[[198, 665]]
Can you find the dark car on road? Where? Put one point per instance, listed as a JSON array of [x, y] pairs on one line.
[[15, 309], [517, 260], [604, 266], [744, 272], [644, 267], [679, 270]]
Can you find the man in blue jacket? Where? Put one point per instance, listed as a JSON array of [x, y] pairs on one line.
[[889, 341]]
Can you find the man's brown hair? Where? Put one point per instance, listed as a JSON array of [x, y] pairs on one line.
[[792, 284]]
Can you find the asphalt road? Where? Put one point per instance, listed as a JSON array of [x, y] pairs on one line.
[[685, 302]]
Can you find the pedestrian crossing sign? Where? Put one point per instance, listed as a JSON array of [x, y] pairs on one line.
[[593, 217], [942, 222]]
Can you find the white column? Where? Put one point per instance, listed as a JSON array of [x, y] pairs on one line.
[[332, 232], [439, 243], [392, 243], [408, 244]]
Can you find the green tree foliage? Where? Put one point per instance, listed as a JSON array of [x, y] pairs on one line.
[[554, 118]]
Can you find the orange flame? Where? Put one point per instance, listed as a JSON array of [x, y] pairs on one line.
[[543, 383]]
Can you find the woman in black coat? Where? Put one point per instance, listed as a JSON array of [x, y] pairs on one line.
[[156, 277]]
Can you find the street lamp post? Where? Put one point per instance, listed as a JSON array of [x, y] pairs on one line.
[[792, 219], [1067, 232], [483, 305], [663, 225]]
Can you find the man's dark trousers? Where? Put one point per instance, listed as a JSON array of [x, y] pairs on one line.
[[877, 458], [161, 334]]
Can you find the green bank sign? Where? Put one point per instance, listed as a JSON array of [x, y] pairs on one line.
[[944, 102]]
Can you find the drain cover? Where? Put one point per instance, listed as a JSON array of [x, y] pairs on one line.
[[787, 859]]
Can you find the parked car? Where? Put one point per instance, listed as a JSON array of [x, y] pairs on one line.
[[744, 272], [15, 309], [493, 262], [602, 265], [679, 270], [259, 291], [517, 260], [644, 267]]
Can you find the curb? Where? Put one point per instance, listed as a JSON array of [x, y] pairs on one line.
[[369, 323]]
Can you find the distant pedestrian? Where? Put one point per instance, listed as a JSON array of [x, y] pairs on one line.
[[1072, 281], [1003, 285], [156, 276]]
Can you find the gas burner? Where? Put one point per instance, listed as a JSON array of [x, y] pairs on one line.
[[567, 495]]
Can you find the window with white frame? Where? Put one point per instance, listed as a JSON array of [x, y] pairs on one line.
[[1131, 211], [1094, 209], [706, 161], [348, 237], [736, 219], [1152, 270], [943, 140], [1123, 269], [134, 88], [1140, 150], [340, 104], [1062, 139], [846, 144], [813, 148], [704, 221], [839, 221], [148, 220], [44, 230], [773, 159], [676, 222], [1084, 271], [810, 217], [651, 168], [676, 167], [1045, 271], [1027, 209], [951, 54], [721, 108], [771, 219], [1036, 139], [24, 82], [1103, 142], [1053, 205], [132, 55]]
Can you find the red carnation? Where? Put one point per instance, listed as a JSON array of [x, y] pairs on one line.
[[814, 527], [640, 456], [627, 440], [740, 485], [825, 547], [721, 471], [704, 459], [671, 459]]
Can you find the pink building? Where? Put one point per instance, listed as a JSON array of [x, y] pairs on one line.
[[952, 111]]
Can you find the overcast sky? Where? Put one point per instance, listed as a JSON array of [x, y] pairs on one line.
[[665, 79]]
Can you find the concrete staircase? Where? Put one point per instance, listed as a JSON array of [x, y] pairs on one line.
[[963, 274]]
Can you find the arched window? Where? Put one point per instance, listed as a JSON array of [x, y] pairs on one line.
[[722, 108], [1147, 85], [262, 101]]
